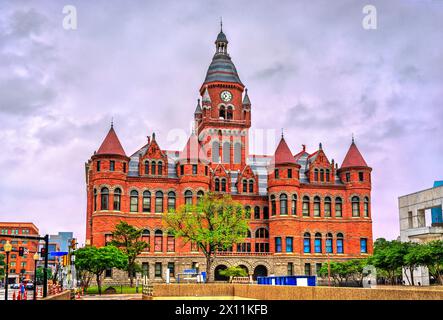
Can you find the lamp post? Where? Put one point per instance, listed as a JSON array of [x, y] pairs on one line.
[[36, 258], [8, 248]]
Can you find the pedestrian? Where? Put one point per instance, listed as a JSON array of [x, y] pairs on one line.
[[22, 289]]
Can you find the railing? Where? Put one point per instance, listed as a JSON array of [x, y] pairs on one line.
[[227, 253]]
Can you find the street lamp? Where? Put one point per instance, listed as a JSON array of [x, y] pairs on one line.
[[8, 248], [36, 258]]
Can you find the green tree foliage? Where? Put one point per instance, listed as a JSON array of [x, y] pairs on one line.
[[127, 238], [344, 272], [97, 260], [40, 274], [233, 272], [2, 266], [214, 223], [388, 257]]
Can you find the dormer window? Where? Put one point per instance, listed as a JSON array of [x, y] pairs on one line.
[[316, 175], [290, 173], [153, 167], [160, 168], [328, 175], [251, 186], [322, 175], [245, 186], [217, 184], [146, 167]]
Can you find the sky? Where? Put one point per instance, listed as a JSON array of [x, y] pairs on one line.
[[310, 67]]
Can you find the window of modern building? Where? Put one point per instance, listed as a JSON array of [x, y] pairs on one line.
[[318, 243], [339, 246], [305, 207], [108, 273], [307, 242], [283, 204], [134, 201], [171, 201], [160, 168], [223, 185], [361, 176], [317, 206], [159, 202], [215, 152], [188, 197], [112, 165], [145, 269], [153, 167], [328, 206], [276, 175], [338, 207], [217, 184], [366, 207], [355, 207], [265, 213], [307, 269], [117, 199], [289, 244], [364, 245], [170, 243], [158, 269], [171, 267], [289, 173], [251, 186], [146, 201], [290, 268], [248, 212], [98, 166], [329, 243], [294, 205], [158, 241], [256, 212], [104, 194], [277, 244], [194, 169], [273, 205]]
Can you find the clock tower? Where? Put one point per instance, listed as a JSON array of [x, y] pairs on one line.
[[224, 117]]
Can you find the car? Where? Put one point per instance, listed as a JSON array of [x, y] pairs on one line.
[[29, 286], [15, 286]]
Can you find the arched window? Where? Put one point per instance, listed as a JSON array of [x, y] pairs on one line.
[[307, 242], [262, 233], [117, 199], [251, 186], [237, 152], [283, 204], [256, 212], [215, 152], [146, 201], [329, 243], [146, 167], [217, 184], [158, 241], [245, 185], [338, 207], [248, 212], [160, 168], [273, 206], [171, 201], [146, 238], [226, 152], [104, 194], [316, 175], [328, 206], [95, 199], [317, 243], [339, 245], [322, 175], [355, 207], [265, 213], [366, 207], [153, 167], [170, 245], [200, 195], [222, 112], [305, 207], [188, 197], [223, 185], [134, 201], [248, 234], [317, 206], [159, 202], [294, 205], [229, 113], [328, 175]]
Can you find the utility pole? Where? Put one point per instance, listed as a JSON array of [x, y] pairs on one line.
[[45, 269]]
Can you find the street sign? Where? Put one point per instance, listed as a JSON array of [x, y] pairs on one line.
[[58, 253]]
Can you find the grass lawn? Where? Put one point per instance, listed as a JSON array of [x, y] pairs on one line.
[[119, 289]]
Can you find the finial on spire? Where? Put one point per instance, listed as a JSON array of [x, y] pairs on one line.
[[282, 135], [221, 24], [320, 146], [353, 141], [112, 122], [153, 136]]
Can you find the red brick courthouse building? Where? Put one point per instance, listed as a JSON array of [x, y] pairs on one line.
[[304, 209]]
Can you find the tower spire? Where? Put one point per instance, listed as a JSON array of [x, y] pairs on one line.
[[221, 24]]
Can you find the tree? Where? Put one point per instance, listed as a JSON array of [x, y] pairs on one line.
[[214, 223], [233, 272], [40, 274], [2, 267], [342, 272], [431, 256], [411, 258], [97, 260], [127, 238], [388, 257]]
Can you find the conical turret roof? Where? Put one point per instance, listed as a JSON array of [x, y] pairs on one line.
[[111, 145]]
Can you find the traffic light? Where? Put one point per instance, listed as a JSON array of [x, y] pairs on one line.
[[43, 252], [21, 251], [73, 244]]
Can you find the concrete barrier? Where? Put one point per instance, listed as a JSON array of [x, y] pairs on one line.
[[266, 292], [65, 295]]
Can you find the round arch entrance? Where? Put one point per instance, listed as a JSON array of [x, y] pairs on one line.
[[217, 276], [244, 268], [260, 271]]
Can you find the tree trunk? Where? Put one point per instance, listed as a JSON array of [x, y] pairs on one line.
[[208, 268], [99, 284], [131, 278], [411, 269]]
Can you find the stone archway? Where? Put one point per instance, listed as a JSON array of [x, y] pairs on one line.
[[217, 276], [244, 268], [260, 271]]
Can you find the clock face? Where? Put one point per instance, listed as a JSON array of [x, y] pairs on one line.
[[226, 96]]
